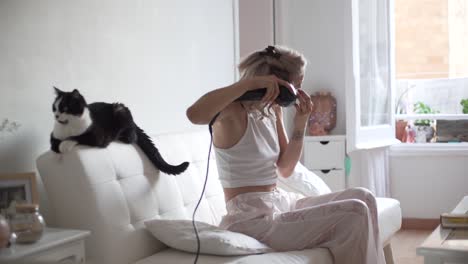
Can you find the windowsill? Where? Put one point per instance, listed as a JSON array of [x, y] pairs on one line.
[[431, 116], [429, 149]]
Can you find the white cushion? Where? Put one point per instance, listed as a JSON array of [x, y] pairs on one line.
[[179, 234], [303, 181]]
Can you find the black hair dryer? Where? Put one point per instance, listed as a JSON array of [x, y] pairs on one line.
[[285, 98]]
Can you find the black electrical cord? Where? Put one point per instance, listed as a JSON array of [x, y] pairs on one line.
[[210, 127]]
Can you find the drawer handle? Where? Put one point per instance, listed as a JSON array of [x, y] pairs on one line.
[[69, 259], [324, 142], [325, 171]]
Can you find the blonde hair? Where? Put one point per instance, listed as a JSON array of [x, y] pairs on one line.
[[281, 61], [271, 60]]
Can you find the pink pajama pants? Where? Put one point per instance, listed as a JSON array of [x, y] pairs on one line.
[[345, 222]]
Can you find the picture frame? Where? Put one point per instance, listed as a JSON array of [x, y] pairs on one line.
[[19, 187]]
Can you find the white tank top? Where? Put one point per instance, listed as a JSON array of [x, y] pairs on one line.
[[252, 160]]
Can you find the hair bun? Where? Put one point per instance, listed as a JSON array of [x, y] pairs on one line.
[[271, 51]]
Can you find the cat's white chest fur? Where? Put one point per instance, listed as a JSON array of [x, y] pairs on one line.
[[76, 125]]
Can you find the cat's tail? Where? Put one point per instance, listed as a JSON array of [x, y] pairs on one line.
[[147, 145]]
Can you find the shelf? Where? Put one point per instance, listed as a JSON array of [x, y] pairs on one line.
[[432, 116], [429, 149]]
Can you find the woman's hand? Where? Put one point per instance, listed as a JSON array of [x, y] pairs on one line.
[[303, 109], [271, 83], [278, 111]]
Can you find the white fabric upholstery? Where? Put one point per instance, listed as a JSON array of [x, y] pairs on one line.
[[112, 191], [389, 217]]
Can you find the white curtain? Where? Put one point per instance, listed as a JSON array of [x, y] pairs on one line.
[[375, 174], [374, 62], [375, 89]]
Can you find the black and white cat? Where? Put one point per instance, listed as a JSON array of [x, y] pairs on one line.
[[98, 124]]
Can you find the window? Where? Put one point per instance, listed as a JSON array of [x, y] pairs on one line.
[[431, 61], [369, 74]]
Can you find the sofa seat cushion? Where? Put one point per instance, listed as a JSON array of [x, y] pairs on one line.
[[389, 217], [173, 256]]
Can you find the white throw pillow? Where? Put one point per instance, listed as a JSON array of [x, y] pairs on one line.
[[179, 234], [304, 181]]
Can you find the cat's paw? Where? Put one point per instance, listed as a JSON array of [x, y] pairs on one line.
[[67, 145]]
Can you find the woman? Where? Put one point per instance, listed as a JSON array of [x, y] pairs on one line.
[[252, 148]]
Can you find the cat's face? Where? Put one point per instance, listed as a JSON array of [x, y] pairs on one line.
[[68, 106]]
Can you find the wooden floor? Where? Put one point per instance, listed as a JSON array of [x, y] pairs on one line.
[[404, 245]]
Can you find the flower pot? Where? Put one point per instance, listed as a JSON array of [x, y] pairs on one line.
[[400, 130], [424, 133]]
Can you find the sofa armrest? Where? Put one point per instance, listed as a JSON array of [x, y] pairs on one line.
[[389, 217]]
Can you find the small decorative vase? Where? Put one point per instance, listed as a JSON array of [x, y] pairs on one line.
[[4, 232], [27, 224], [323, 117]]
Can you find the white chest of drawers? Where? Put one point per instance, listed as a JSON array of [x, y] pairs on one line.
[[325, 156]]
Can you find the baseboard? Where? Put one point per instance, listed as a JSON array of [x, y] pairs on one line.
[[419, 223]]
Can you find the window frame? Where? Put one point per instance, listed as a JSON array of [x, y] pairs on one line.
[[439, 148], [369, 137]]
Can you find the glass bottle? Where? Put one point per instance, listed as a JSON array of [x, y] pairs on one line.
[[410, 134], [27, 224]]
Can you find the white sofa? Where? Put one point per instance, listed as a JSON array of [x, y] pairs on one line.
[[112, 191]]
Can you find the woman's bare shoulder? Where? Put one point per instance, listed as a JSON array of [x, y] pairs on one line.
[[231, 112], [230, 127]]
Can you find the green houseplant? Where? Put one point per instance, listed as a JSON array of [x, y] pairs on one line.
[[464, 104], [424, 129], [422, 108]]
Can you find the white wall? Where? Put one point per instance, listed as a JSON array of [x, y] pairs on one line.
[[428, 184], [255, 25], [157, 57], [316, 29]]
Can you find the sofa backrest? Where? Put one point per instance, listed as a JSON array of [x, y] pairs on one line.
[[112, 191]]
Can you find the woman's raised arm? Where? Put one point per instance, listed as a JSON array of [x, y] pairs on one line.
[[211, 103]]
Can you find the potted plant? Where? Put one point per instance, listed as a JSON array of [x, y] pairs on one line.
[[464, 104], [424, 127]]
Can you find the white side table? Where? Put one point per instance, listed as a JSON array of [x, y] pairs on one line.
[[55, 246], [325, 156], [445, 244]]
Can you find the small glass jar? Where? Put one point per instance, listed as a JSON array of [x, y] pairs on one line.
[[4, 232], [27, 224]]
